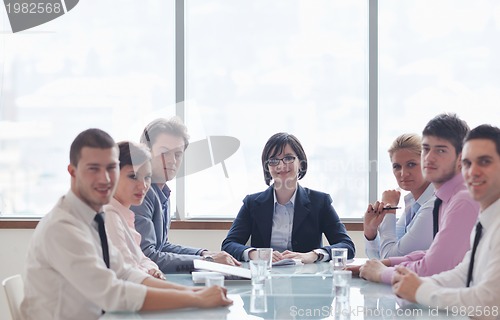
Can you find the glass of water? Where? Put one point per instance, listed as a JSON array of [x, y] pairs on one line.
[[258, 269], [341, 284], [339, 258], [266, 254], [258, 301], [214, 280]]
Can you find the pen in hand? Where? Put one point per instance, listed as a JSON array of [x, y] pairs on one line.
[[391, 208]]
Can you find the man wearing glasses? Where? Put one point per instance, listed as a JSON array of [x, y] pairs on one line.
[[167, 139]]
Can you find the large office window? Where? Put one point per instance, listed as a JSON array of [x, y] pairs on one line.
[[255, 68], [99, 65], [252, 68], [434, 57]]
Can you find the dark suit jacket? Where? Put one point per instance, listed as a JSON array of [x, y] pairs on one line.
[[313, 216], [153, 225]]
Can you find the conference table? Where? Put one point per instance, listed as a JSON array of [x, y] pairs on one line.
[[300, 292]]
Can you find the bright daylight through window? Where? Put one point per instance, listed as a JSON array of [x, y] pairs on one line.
[[252, 68]]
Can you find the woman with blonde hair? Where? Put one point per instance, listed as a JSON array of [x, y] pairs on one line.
[[385, 236]]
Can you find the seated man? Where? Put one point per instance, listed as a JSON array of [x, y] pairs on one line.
[[72, 272], [167, 140], [473, 285], [454, 212]]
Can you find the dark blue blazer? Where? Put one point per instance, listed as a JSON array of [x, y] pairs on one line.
[[313, 216]]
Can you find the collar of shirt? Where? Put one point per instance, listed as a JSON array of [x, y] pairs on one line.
[[117, 204], [166, 191], [163, 193], [74, 205], [488, 216], [123, 211], [449, 188], [424, 197], [292, 199], [409, 200]]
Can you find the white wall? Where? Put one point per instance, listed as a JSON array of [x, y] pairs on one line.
[[13, 248], [14, 245]]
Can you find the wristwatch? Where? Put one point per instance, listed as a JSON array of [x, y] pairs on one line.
[[320, 256], [208, 258]]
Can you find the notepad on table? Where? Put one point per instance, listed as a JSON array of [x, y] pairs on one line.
[[222, 268]]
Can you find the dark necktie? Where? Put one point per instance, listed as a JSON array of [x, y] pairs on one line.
[[477, 237], [435, 216], [104, 240], [165, 209]]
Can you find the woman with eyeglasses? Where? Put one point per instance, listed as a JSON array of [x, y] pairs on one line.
[[286, 217], [134, 182]]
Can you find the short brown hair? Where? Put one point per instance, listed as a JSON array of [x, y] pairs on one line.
[[487, 132], [449, 127], [172, 126], [93, 138]]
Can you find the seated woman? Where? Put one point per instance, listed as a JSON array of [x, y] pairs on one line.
[[384, 237], [286, 217], [134, 182]]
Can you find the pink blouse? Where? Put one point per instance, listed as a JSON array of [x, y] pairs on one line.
[[121, 232]]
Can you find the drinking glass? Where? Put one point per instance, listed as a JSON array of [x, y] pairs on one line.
[[266, 254], [341, 283], [214, 280], [258, 301], [339, 258], [258, 269]]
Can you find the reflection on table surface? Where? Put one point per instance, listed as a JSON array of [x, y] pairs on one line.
[[298, 292]]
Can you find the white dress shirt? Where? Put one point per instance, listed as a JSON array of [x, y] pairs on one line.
[[448, 289], [281, 232], [120, 230], [65, 276], [395, 238]]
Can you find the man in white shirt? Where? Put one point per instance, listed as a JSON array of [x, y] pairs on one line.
[[473, 287], [71, 273]]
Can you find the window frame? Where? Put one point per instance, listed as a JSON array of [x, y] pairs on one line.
[[372, 105], [180, 221]]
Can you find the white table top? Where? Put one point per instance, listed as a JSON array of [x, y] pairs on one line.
[[299, 292]]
